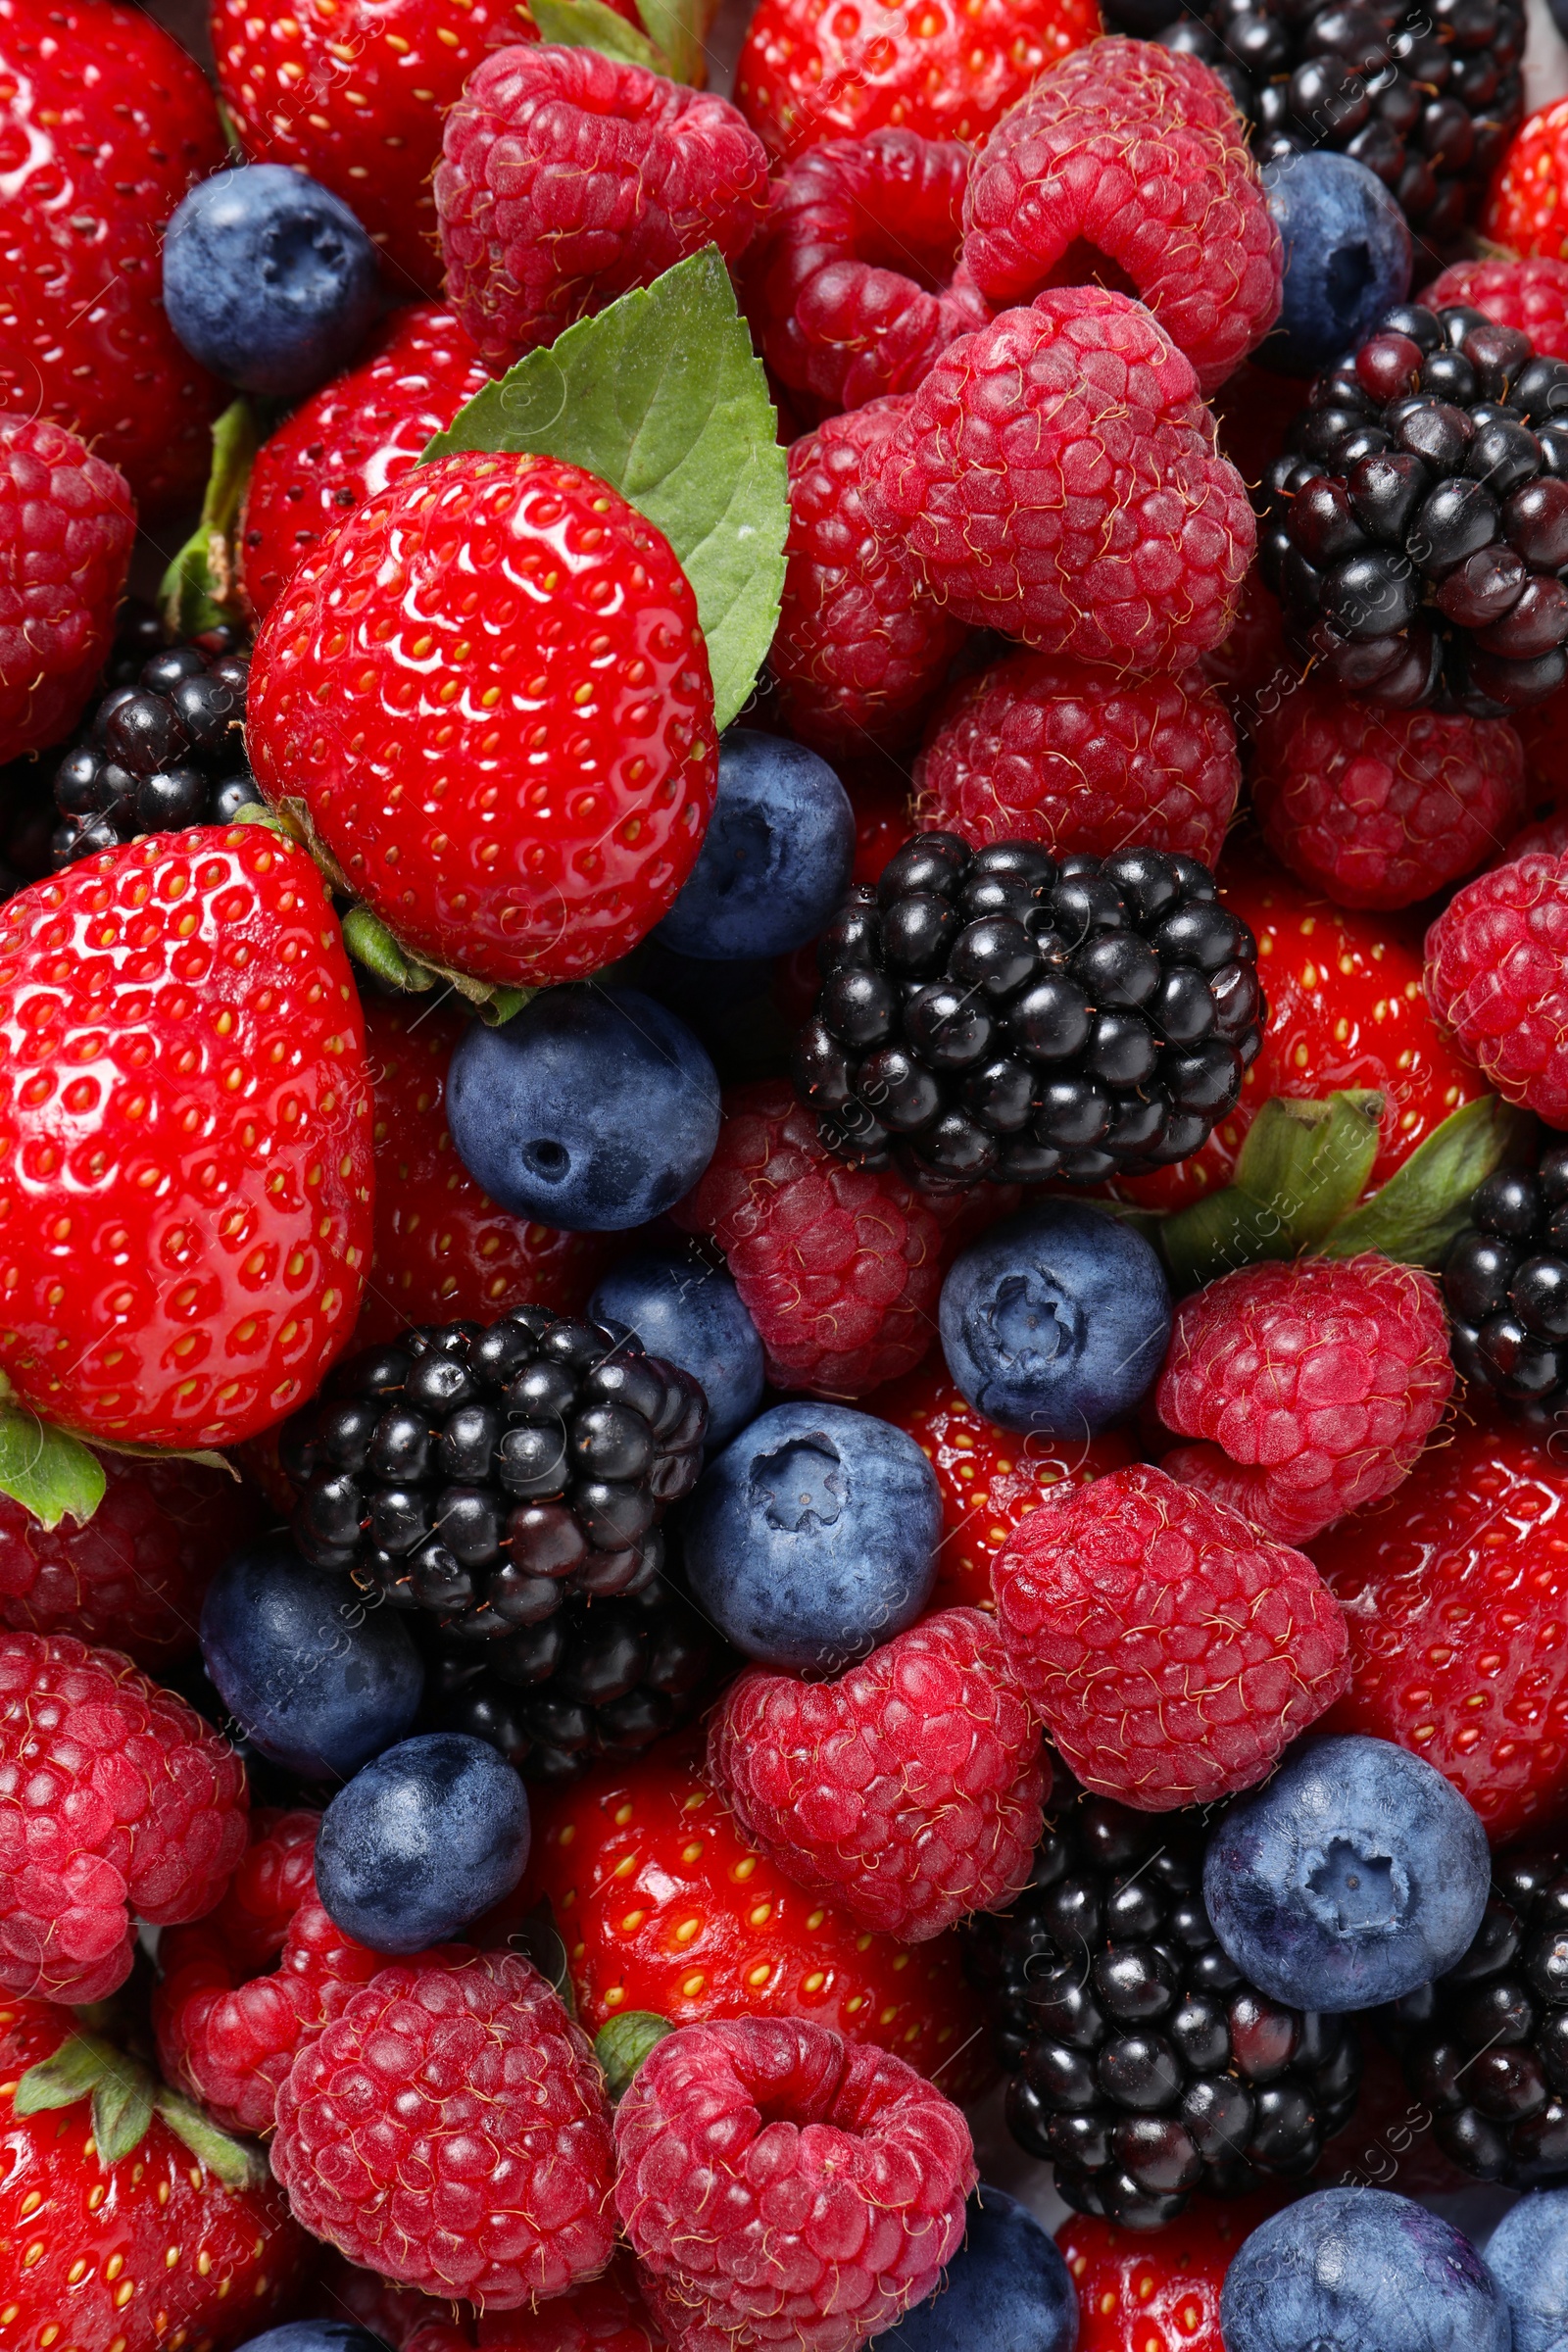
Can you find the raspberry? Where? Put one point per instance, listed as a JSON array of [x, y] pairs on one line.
[[1252, 667], [860, 646], [1532, 296], [1317, 1383], [839, 1267], [1496, 974], [1042, 749], [449, 2130], [567, 179], [909, 1791], [1547, 837], [134, 1575], [1523, 211], [1381, 807], [1170, 1650], [66, 523], [1056, 477], [114, 1798], [1130, 154], [847, 285], [816, 2228]]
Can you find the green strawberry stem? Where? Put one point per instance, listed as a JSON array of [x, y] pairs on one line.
[[199, 589], [126, 2097]]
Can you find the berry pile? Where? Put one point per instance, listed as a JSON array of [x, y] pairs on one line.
[[1506, 1282], [161, 750]]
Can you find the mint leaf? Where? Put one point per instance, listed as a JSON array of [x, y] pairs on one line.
[[199, 588], [662, 396], [590, 24], [1416, 1214], [49, 1472]]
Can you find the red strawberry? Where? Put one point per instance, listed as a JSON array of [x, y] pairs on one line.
[[186, 1217], [443, 1249], [662, 1906], [1138, 2293], [355, 92], [103, 124]]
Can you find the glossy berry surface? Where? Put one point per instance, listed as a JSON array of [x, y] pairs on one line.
[[1139, 2290], [66, 523], [420, 1841], [1361, 2261], [1502, 1279], [1346, 256], [691, 1313], [1532, 295], [159, 753], [1495, 965]]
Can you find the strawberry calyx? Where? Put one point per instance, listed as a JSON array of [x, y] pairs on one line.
[[200, 588], [621, 2046], [126, 2097]]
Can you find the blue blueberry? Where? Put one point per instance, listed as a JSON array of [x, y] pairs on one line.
[[1057, 1320], [1358, 2270], [317, 2336], [421, 1841], [1527, 2256], [269, 279], [316, 1681], [813, 1537], [593, 1108], [776, 858], [690, 1313], [1007, 2289], [1347, 258], [1351, 1877]]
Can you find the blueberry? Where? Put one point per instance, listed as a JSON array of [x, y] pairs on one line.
[[316, 1679], [1055, 1320], [1527, 2256], [776, 858], [317, 2336], [690, 1313], [1353, 1876], [421, 1841], [269, 279], [1347, 258], [593, 1110], [1357, 2267], [813, 1537], [1007, 2289]]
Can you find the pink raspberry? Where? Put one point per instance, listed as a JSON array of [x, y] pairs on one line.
[[1382, 808], [861, 646], [1172, 1651], [1057, 478], [1042, 749], [1496, 974], [850, 286], [909, 1791], [66, 523], [449, 2130], [1128, 163], [1313, 1385], [839, 1267], [784, 2186], [1252, 667], [1532, 295], [116, 1799], [609, 2314], [567, 177]]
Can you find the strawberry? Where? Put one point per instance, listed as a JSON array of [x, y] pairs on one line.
[[353, 93], [103, 124], [1160, 2293], [359, 433], [184, 1139], [663, 1906], [129, 2225]]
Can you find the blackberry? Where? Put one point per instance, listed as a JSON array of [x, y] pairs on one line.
[[1486, 2047], [1417, 526], [1505, 1285], [160, 749], [1426, 96], [485, 1472], [1003, 1014], [1143, 2065]]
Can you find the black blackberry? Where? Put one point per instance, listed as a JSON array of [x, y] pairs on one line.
[[1417, 526], [485, 1472], [1486, 2047], [1427, 96], [1505, 1285], [1003, 1014], [1145, 2067]]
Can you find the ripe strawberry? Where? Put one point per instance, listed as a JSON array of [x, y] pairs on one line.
[[518, 781], [1523, 210], [442, 1248], [1142, 2293], [148, 2252], [662, 1906], [208, 1166], [103, 124], [355, 92]]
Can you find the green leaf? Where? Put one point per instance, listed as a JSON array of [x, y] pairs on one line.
[[590, 24], [68, 2076], [621, 2046], [1416, 1214], [679, 27], [1303, 1166], [198, 587], [232, 2163], [122, 2110], [662, 396], [49, 1472], [369, 942]]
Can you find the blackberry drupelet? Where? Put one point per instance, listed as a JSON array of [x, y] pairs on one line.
[[1417, 526], [1145, 2067], [1486, 2047], [1003, 1014], [162, 747], [483, 1472], [1505, 1286]]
